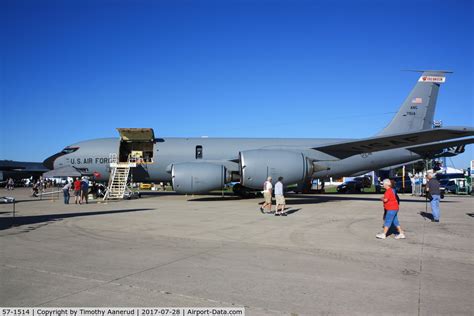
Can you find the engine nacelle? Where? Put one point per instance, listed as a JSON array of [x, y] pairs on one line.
[[198, 177], [257, 165]]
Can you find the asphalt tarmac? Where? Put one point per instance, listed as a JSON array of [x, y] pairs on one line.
[[204, 251]]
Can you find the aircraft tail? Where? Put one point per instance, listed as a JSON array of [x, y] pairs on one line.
[[417, 111]]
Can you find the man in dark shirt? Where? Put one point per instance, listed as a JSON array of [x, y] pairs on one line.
[[84, 190], [433, 188]]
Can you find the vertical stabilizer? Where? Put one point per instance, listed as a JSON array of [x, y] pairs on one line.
[[417, 111]]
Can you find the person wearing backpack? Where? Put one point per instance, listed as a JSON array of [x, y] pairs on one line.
[[390, 204]]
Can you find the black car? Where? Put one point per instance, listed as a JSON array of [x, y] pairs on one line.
[[403, 186], [355, 185]]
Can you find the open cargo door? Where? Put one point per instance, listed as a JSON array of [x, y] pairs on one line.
[[136, 145]]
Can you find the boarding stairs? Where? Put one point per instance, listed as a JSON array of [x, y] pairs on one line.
[[118, 179]]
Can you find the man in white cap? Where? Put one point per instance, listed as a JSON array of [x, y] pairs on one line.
[[267, 194]]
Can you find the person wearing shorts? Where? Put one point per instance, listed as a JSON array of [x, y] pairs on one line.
[[77, 191], [280, 198], [267, 194], [390, 204]]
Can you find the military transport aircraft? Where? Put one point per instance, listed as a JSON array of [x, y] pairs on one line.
[[18, 170], [197, 165]]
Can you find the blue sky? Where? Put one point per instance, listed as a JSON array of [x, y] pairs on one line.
[[75, 70]]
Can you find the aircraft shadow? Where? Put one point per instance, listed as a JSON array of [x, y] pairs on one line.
[[302, 199], [294, 199], [155, 193], [470, 214], [215, 198], [36, 200], [8, 222]]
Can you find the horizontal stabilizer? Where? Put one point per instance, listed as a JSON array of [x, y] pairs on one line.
[[346, 149]]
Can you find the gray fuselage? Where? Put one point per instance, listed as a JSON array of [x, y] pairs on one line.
[[92, 156]]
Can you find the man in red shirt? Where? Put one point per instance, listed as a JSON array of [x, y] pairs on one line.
[[77, 191], [390, 204]]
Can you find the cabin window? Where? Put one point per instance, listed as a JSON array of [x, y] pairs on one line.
[[199, 152], [69, 150]]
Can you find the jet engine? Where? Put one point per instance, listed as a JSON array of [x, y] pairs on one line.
[[198, 177], [257, 165]]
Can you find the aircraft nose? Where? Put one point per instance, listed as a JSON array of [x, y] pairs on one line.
[[49, 162]]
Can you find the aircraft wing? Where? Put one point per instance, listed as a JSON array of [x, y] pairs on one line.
[[9, 165], [346, 149], [442, 149]]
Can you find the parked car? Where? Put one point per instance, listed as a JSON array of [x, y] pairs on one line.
[[447, 181], [400, 188], [355, 185], [457, 186]]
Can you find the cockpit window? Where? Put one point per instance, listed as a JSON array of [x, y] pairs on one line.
[[69, 150]]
